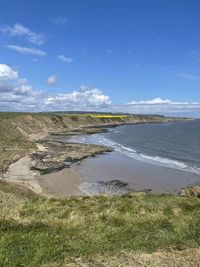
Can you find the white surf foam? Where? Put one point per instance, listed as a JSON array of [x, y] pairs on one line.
[[132, 153], [102, 139]]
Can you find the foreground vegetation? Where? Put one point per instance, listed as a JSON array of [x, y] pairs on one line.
[[129, 230], [191, 191]]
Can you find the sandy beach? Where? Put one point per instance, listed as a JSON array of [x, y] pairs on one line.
[[62, 183], [70, 166], [95, 175], [19, 172], [139, 175], [86, 178]]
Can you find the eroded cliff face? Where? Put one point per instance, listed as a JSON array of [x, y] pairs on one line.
[[33, 125]]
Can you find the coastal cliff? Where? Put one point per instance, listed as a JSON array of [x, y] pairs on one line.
[[20, 131]]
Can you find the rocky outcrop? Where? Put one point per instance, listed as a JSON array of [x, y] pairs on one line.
[[59, 155]]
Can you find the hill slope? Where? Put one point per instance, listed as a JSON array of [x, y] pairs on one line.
[[129, 230]]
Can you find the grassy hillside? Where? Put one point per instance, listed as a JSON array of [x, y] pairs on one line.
[[130, 230]]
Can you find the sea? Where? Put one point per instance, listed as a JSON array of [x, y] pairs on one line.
[[174, 145]]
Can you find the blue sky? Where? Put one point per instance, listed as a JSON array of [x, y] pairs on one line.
[[128, 51]]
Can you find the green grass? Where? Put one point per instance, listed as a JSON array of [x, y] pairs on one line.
[[37, 230]]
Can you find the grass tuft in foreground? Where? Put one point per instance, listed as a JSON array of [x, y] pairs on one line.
[[37, 231]]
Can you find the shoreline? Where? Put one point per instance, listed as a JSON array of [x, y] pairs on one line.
[[20, 173], [24, 130], [77, 180], [111, 174], [81, 177], [50, 158]]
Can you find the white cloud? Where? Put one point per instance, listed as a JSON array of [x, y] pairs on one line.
[[23, 81], [187, 76], [85, 99], [16, 94], [19, 95], [7, 73], [23, 90], [20, 98], [25, 98], [60, 21], [160, 106], [65, 59], [154, 101], [84, 88], [5, 88], [52, 80], [26, 50], [18, 30]]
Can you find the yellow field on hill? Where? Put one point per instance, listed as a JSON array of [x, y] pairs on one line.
[[109, 116]]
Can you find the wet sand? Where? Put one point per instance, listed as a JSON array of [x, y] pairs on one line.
[[139, 175], [19, 172], [62, 183], [83, 179]]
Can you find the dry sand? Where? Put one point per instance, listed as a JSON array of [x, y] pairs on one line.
[[19, 172], [57, 184], [62, 183]]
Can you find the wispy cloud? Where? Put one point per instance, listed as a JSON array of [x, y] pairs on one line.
[[195, 55], [187, 76], [60, 21], [26, 50], [138, 61], [155, 101], [158, 101], [65, 59], [35, 59], [165, 68], [18, 30], [184, 75]]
